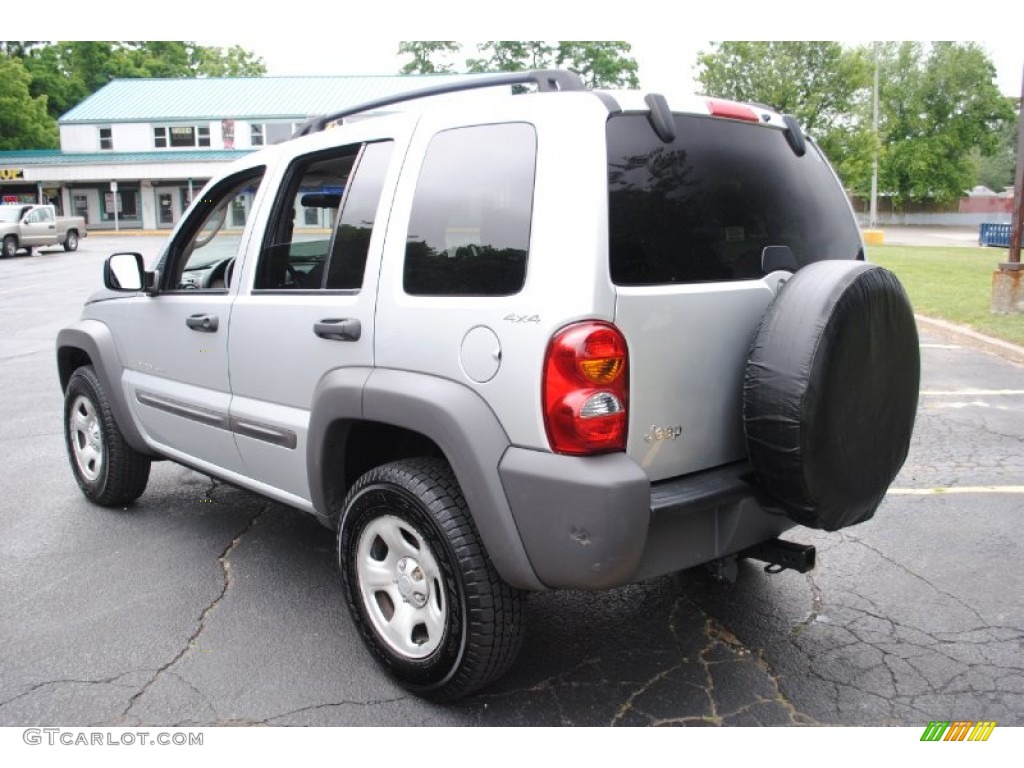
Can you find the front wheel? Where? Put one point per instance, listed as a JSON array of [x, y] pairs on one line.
[[71, 241], [422, 591], [108, 470], [10, 248]]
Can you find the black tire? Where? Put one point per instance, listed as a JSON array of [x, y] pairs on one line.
[[10, 248], [108, 470], [830, 393], [410, 516], [71, 241]]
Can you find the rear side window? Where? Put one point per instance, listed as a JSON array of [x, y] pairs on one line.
[[469, 228], [705, 207]]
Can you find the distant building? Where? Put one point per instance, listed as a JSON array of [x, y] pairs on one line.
[[145, 147], [984, 200]]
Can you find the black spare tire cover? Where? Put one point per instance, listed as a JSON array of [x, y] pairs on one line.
[[830, 393]]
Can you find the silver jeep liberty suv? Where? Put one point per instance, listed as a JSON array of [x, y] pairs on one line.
[[554, 339]]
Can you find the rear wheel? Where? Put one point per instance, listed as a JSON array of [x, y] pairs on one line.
[[421, 589], [71, 241], [108, 470]]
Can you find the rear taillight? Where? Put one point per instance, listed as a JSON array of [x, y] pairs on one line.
[[586, 389]]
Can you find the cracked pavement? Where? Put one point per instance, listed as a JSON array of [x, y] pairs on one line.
[[206, 605]]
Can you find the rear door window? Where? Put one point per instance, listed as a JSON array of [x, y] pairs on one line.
[[704, 208]]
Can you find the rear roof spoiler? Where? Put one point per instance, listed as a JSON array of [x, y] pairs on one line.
[[544, 79]]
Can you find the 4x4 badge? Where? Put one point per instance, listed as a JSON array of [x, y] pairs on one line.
[[514, 318], [662, 433]]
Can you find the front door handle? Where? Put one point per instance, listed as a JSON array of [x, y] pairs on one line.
[[339, 329], [201, 322]]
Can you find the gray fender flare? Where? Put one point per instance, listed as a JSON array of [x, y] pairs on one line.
[[94, 339], [452, 416]]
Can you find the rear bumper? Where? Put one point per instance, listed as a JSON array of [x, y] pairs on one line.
[[596, 522]]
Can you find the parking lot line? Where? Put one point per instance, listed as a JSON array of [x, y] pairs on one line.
[[959, 489], [971, 392]]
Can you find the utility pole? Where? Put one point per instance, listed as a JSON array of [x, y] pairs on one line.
[[873, 215], [1008, 279], [1018, 187]]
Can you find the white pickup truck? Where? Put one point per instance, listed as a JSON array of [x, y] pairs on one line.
[[33, 226]]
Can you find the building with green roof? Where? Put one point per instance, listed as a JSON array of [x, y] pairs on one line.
[[135, 153]]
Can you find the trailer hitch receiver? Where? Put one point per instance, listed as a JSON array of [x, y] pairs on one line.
[[782, 555]]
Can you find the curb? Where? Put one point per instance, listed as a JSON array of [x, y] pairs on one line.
[[1003, 349]]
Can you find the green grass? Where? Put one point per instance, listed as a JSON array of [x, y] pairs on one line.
[[953, 284]]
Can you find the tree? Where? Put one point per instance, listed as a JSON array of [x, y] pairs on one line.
[[232, 62], [819, 82], [17, 48], [996, 171], [512, 56], [936, 106], [424, 54], [601, 63], [24, 123], [68, 72], [63, 74]]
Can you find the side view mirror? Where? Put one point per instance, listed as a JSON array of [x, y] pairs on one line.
[[126, 272]]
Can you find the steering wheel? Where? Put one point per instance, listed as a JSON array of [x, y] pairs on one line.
[[220, 275]]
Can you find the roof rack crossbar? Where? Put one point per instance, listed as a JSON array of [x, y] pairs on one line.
[[544, 79]]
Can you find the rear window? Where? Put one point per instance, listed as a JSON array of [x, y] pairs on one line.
[[705, 207]]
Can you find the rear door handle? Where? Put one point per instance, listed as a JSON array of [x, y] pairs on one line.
[[201, 322], [339, 329]]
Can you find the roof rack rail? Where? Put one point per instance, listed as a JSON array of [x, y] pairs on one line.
[[544, 79]]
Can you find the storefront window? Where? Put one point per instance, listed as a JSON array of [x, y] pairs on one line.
[[127, 205]]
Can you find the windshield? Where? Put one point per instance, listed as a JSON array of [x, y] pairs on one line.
[[10, 212], [705, 207]]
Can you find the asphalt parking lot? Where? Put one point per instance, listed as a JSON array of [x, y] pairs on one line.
[[206, 605]]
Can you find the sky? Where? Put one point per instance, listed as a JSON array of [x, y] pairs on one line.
[[327, 37]]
